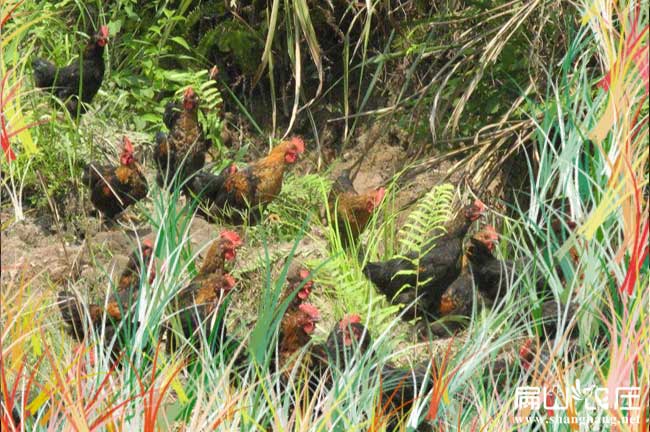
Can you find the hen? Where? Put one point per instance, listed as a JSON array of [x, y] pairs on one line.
[[493, 276], [552, 313], [197, 302], [249, 190], [80, 78], [438, 267], [207, 188], [181, 153], [351, 211], [297, 276], [118, 306], [349, 341], [113, 189], [296, 328]]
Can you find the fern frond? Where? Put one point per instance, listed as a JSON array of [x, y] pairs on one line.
[[426, 221]]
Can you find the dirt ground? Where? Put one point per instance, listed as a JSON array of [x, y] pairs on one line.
[[88, 254]]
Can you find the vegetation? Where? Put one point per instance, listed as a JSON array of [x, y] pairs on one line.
[[540, 108]]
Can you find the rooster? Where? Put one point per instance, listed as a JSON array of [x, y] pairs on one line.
[[119, 304], [113, 189], [438, 267], [181, 153], [80, 78], [350, 210], [252, 188], [197, 302]]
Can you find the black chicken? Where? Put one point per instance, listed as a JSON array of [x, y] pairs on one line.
[[438, 267], [349, 341], [78, 79], [207, 189]]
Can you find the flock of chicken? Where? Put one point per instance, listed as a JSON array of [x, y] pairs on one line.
[[442, 286]]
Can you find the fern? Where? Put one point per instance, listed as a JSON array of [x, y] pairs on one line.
[[423, 226], [426, 222], [207, 90], [354, 293]]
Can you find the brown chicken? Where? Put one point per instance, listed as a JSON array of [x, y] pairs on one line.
[[119, 304], [247, 191], [181, 153], [296, 329], [80, 78], [351, 211], [438, 268], [297, 275], [113, 189], [200, 299]]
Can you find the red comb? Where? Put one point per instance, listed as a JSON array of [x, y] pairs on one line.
[[310, 310], [304, 274], [491, 231], [232, 236], [379, 195], [479, 205], [128, 146], [188, 92], [103, 31], [147, 243], [229, 280], [526, 354], [299, 143], [232, 169], [348, 320]]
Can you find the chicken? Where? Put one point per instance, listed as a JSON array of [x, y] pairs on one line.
[[297, 276], [119, 304], [349, 210], [455, 305], [249, 190], [206, 188], [552, 313], [438, 267], [493, 276], [132, 273], [350, 340], [296, 328], [181, 153], [113, 189], [197, 302], [80, 78]]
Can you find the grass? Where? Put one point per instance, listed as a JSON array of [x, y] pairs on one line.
[[580, 122]]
